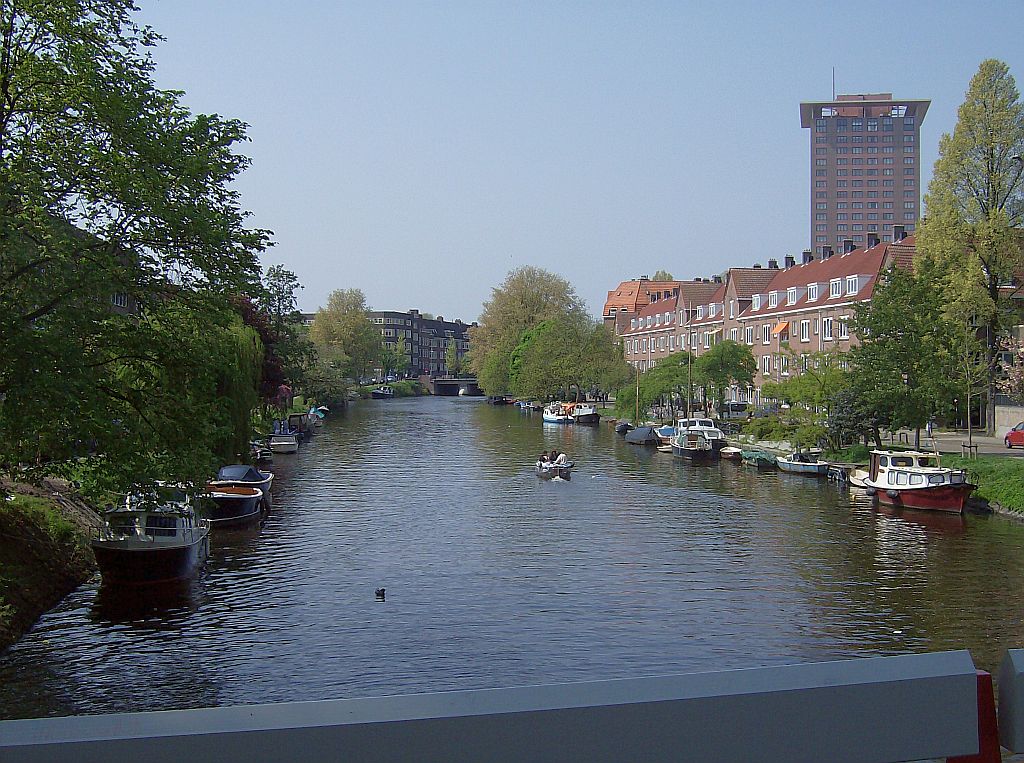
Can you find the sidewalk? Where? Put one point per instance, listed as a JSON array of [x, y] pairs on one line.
[[951, 441]]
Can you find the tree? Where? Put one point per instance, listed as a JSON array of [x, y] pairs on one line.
[[975, 207], [906, 365], [452, 358], [662, 275], [343, 333], [812, 394], [527, 297], [111, 190], [725, 364]]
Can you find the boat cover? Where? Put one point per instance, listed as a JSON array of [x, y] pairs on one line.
[[240, 473], [642, 436]]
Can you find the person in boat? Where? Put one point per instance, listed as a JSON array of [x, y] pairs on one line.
[[561, 460], [553, 456], [542, 460]]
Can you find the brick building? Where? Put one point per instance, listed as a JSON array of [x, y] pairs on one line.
[[426, 339]]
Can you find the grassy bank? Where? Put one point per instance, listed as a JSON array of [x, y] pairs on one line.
[[404, 388], [1000, 480], [44, 548]]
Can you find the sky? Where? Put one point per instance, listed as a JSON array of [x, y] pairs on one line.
[[420, 151]]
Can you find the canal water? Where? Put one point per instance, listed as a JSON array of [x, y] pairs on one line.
[[640, 565]]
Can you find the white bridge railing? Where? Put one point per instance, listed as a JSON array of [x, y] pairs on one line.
[[863, 711]]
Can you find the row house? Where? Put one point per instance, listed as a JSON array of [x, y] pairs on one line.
[[785, 315], [630, 297]]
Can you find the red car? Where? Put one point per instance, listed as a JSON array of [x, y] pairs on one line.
[[1015, 436]]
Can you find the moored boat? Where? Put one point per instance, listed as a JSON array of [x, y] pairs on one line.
[[154, 537], [383, 393], [693, 446], [232, 505], [284, 439], [803, 462], [300, 422], [759, 458], [731, 453], [622, 427], [584, 413], [666, 434], [243, 475], [643, 436], [556, 414], [704, 427], [915, 480]]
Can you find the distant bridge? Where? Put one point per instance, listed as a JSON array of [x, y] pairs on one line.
[[450, 385]]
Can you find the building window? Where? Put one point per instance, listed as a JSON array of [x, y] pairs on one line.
[[773, 299], [835, 288], [732, 309], [826, 329], [766, 333], [805, 331], [757, 302], [844, 328], [851, 285], [748, 334], [712, 309], [812, 292], [707, 339], [784, 364], [733, 334], [766, 364], [119, 299], [700, 312]]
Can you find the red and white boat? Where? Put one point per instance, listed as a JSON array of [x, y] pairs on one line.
[[915, 480]]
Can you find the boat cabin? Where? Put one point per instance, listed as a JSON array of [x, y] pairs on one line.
[[910, 469]]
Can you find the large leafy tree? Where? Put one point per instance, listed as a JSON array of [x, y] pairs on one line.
[[343, 333], [726, 364], [527, 297], [110, 189], [907, 365], [975, 207]]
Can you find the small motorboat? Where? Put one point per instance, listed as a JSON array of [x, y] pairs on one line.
[[666, 434], [260, 453], [759, 458], [731, 453], [243, 475], [383, 393], [301, 423], [284, 438], [547, 470], [622, 427], [231, 505], [154, 537], [803, 462], [643, 436], [705, 427]]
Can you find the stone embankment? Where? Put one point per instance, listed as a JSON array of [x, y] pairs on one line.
[[44, 551]]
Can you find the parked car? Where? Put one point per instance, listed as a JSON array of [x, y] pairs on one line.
[[733, 411], [1015, 437]]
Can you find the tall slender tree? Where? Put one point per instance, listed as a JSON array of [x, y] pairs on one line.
[[975, 208]]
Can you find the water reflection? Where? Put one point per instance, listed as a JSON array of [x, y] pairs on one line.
[[642, 564]]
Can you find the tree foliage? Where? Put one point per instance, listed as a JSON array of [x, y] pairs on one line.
[[527, 297], [975, 206], [726, 364], [662, 275], [343, 333], [111, 189]]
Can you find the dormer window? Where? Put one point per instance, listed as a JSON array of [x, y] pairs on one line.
[[657, 319], [835, 288], [700, 312], [757, 302], [851, 285], [668, 317], [712, 310], [632, 324], [812, 292], [773, 299], [791, 295], [682, 318], [648, 321]]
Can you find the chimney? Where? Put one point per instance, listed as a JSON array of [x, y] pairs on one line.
[[873, 240], [773, 264], [808, 256], [899, 232], [716, 279], [757, 265], [847, 245], [790, 261]]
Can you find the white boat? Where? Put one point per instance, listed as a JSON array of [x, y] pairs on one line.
[[584, 413], [693, 445], [547, 470], [383, 393], [731, 453], [803, 462], [556, 414], [915, 480], [243, 475], [153, 537], [704, 427]]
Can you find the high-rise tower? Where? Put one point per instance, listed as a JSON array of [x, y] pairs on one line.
[[865, 167]]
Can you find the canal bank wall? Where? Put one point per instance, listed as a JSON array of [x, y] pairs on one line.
[[44, 551]]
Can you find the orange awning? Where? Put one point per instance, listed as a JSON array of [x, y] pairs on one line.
[[780, 327]]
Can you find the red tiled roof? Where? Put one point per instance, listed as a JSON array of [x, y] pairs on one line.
[[750, 281], [631, 296], [717, 298], [859, 262]]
